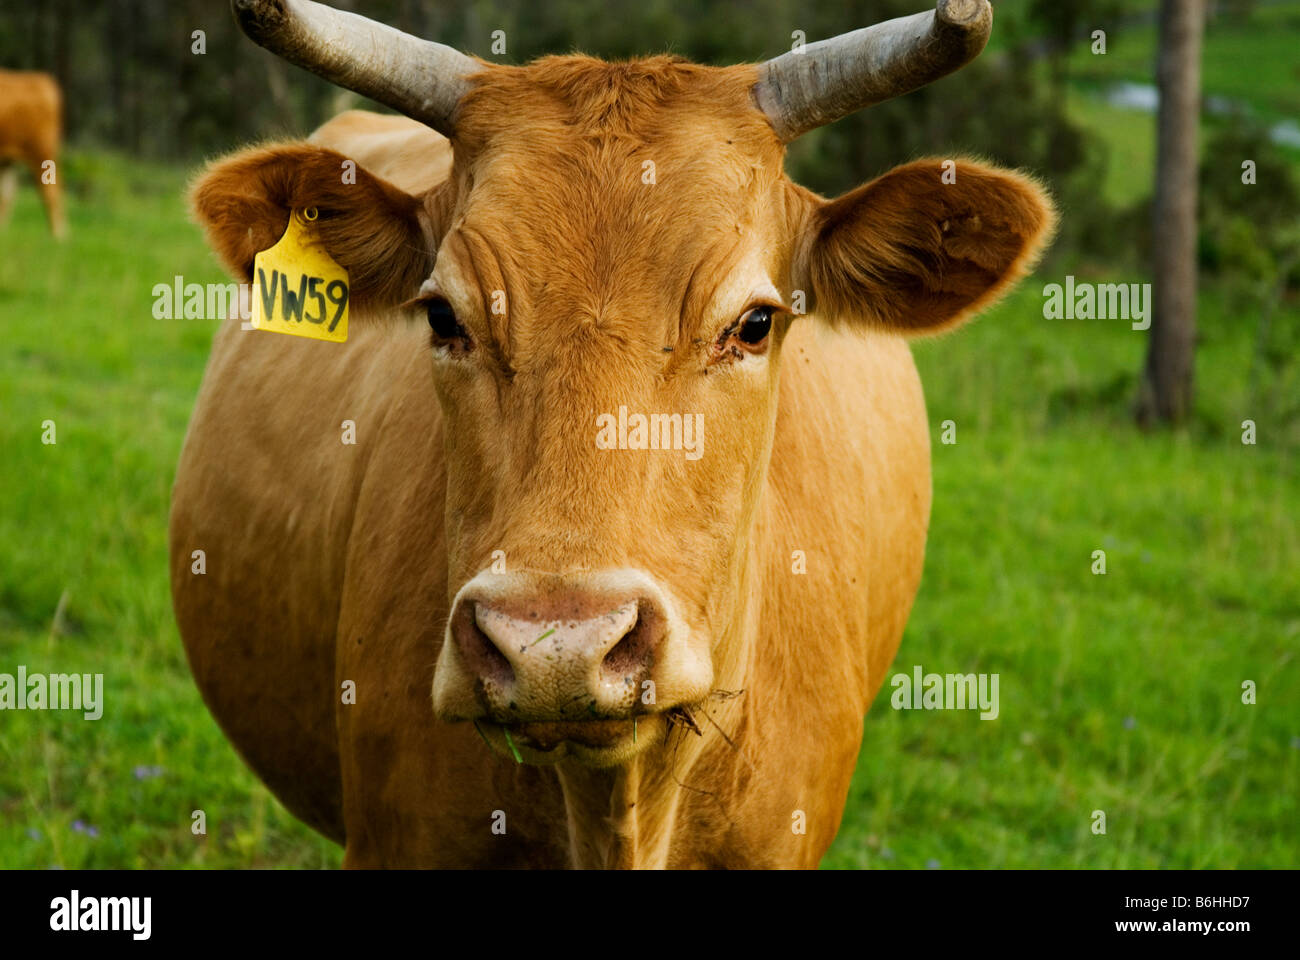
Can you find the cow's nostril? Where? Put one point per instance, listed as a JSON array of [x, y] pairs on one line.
[[480, 651], [633, 652]]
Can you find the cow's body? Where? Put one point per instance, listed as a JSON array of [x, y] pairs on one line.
[[666, 643], [30, 133], [326, 563]]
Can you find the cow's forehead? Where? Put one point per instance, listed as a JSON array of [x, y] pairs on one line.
[[615, 139], [643, 100], [593, 191]]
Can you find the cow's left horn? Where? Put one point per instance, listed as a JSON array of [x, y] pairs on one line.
[[420, 78], [827, 80]]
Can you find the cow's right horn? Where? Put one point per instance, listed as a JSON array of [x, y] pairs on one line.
[[824, 81], [420, 78]]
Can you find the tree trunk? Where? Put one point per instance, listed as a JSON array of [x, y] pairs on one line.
[[1166, 392]]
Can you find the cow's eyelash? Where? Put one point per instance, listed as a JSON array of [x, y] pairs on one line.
[[729, 346], [419, 301]]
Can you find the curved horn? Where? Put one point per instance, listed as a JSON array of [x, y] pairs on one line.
[[420, 78], [827, 80]]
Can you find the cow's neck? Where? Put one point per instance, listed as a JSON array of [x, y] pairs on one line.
[[613, 822], [624, 817]]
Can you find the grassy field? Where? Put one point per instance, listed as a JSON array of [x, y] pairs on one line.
[[83, 537], [1119, 693]]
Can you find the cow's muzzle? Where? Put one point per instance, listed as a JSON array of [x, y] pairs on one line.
[[566, 651]]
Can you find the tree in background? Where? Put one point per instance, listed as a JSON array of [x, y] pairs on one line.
[[1165, 394]]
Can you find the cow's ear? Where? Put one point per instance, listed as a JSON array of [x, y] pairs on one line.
[[924, 247], [370, 227]]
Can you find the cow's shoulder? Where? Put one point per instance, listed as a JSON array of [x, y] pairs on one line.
[[279, 448], [849, 486]]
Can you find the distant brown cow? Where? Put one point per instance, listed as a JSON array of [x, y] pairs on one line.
[[30, 130], [381, 546]]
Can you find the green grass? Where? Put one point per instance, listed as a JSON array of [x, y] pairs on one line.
[[1120, 692], [1129, 137], [1200, 594], [85, 519]]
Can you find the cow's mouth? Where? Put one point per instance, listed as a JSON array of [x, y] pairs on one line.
[[589, 733], [590, 741], [597, 742]]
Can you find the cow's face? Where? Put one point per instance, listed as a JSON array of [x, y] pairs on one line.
[[607, 308], [608, 276]]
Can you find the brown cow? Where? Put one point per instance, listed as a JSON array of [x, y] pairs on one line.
[[31, 110], [678, 644]]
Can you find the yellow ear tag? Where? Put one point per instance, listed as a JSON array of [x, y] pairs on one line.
[[297, 286]]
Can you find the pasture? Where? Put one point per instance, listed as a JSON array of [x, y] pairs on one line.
[[1120, 693]]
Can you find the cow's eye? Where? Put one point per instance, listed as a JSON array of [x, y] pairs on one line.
[[755, 326], [443, 322]]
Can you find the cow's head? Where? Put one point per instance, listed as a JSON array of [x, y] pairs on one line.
[[614, 263]]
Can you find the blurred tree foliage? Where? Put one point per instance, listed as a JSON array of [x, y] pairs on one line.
[[1247, 230], [133, 81], [1250, 239]]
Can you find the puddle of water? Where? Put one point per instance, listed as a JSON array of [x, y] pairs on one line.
[[1286, 133], [1134, 96], [1146, 97]]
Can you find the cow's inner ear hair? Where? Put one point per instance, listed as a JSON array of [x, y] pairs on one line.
[[916, 252]]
